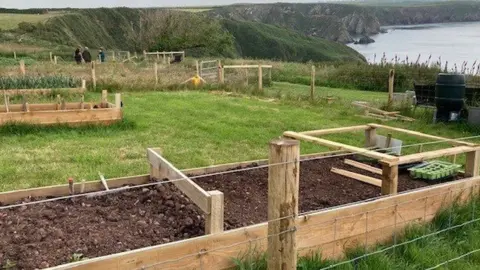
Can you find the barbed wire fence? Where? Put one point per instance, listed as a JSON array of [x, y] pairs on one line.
[[334, 224]]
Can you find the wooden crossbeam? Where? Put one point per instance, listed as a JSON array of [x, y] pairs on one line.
[[363, 166], [247, 66], [423, 135], [334, 130], [359, 177], [341, 146], [431, 155]]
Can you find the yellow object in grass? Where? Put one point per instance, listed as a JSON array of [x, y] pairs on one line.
[[196, 80]]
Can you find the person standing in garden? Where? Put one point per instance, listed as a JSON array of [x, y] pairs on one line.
[[78, 56], [87, 57], [101, 55]]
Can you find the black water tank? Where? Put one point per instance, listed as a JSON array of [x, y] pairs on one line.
[[449, 92]]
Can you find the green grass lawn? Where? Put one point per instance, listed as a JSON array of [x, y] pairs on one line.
[[10, 21], [193, 129]]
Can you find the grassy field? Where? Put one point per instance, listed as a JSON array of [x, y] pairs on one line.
[[193, 129], [10, 21]]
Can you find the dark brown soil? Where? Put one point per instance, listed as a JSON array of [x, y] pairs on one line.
[[49, 234], [246, 192]]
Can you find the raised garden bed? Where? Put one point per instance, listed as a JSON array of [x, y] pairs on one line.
[[62, 113]]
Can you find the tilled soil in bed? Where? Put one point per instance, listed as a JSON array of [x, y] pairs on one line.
[[49, 234], [246, 192]]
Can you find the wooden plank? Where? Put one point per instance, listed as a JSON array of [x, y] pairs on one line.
[[472, 164], [432, 154], [353, 149], [194, 192], [10, 197], [359, 177], [389, 179], [215, 218], [67, 116], [363, 166], [334, 130], [283, 187], [422, 135], [247, 66], [321, 231]]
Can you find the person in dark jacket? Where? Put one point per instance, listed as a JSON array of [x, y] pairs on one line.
[[78, 56], [101, 55], [87, 57]]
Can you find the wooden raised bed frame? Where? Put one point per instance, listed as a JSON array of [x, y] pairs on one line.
[[330, 231], [390, 163], [63, 113]]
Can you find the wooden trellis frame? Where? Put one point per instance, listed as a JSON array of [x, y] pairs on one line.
[[390, 163]]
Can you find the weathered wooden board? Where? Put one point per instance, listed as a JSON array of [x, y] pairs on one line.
[[63, 116], [166, 170], [46, 91]]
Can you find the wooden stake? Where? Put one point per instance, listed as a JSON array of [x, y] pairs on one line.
[[128, 55], [389, 179], [219, 71], [82, 187], [51, 57], [370, 137], [59, 100], [158, 56], [214, 219], [144, 55], [391, 79], [84, 84], [197, 67], [312, 84], [104, 99], [283, 185], [82, 103], [25, 105], [260, 78], [55, 60], [113, 55], [155, 69], [7, 100], [420, 148], [14, 55], [118, 101], [388, 140], [94, 77], [104, 182], [22, 67], [64, 105], [472, 164], [168, 60], [163, 55]]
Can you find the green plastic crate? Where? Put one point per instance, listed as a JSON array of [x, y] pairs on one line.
[[434, 170]]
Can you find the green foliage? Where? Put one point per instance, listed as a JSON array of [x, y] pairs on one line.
[[31, 82], [5, 61], [358, 75], [258, 40]]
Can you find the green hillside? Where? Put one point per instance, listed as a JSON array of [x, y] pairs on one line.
[[258, 40], [165, 30]]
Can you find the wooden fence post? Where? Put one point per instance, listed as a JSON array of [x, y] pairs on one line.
[[144, 55], [158, 56], [84, 84], [472, 164], [197, 67], [312, 84], [155, 68], [55, 60], [128, 55], [283, 185], [219, 71], [135, 54], [104, 103], [51, 57], [113, 56], [168, 60], [15, 55], [214, 219], [164, 57], [82, 102], [22, 67], [391, 80], [260, 78], [94, 77], [118, 100], [389, 179]]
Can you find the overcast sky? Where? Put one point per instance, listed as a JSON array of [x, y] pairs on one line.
[[129, 3]]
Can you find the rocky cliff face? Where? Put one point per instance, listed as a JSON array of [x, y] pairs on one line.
[[339, 22]]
